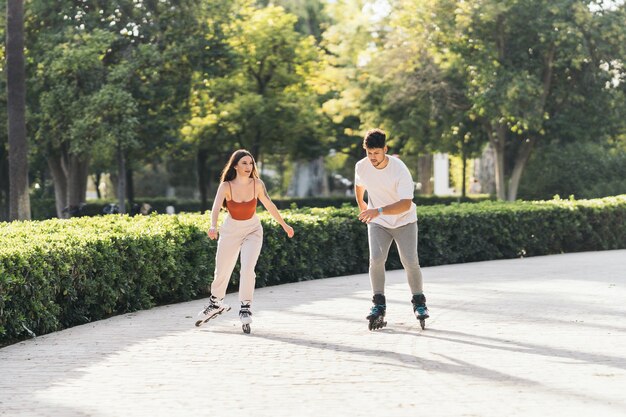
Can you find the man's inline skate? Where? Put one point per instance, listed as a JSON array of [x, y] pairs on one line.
[[377, 313], [419, 309], [212, 310], [245, 315]]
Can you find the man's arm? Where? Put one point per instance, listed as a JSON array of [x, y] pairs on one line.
[[398, 207], [359, 192]]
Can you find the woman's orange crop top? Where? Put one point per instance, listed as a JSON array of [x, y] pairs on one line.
[[244, 210]]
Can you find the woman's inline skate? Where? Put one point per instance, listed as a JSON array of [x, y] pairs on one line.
[[245, 315], [212, 310]]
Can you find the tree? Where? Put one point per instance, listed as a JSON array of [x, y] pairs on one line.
[[19, 200], [583, 169], [272, 65], [516, 83], [348, 44], [312, 17], [517, 74], [4, 158], [146, 49], [261, 98], [70, 76], [203, 139]]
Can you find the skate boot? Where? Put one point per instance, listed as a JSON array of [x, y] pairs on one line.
[[420, 309], [377, 313], [245, 317], [212, 310]]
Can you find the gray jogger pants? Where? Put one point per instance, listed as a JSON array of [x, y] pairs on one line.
[[380, 239]]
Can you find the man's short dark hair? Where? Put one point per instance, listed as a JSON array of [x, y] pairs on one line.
[[374, 139]]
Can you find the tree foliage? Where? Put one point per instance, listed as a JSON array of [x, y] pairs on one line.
[[472, 66], [115, 73], [113, 85], [262, 101]]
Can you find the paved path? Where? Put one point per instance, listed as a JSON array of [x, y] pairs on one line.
[[526, 337]]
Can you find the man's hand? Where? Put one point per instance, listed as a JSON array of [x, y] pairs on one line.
[[368, 215]]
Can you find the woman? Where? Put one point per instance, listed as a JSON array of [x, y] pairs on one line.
[[240, 189]]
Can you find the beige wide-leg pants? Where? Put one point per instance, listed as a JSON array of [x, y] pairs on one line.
[[235, 237]]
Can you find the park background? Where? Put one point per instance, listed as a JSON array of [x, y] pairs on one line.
[[143, 101], [136, 100]]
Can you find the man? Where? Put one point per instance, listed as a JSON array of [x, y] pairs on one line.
[[390, 216]]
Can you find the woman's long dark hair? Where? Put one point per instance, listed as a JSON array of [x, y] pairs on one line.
[[229, 173]]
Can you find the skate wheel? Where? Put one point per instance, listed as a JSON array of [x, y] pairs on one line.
[[423, 323], [245, 328], [376, 324]]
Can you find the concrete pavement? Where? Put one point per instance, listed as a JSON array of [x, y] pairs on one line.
[[525, 337]]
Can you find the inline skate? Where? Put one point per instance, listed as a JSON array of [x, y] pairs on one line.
[[419, 309], [245, 315], [377, 313], [212, 310]]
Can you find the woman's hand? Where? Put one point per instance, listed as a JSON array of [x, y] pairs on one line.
[[289, 230], [212, 233]]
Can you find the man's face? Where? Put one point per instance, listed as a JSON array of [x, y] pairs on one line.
[[376, 155]]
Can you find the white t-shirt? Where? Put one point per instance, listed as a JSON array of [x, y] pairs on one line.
[[387, 186]]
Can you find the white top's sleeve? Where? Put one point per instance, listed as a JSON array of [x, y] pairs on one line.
[[357, 178], [405, 184]]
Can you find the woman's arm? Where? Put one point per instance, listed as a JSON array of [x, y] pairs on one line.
[[271, 208], [215, 210]]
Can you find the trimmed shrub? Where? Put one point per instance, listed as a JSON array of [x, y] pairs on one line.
[[43, 209], [59, 273]]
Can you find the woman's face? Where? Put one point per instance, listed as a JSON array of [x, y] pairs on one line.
[[244, 166]]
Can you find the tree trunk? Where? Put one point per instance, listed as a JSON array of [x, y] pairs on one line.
[[201, 166], [520, 162], [4, 184], [97, 177], [463, 176], [256, 146], [76, 183], [425, 173], [497, 141], [497, 138], [19, 199], [130, 188], [524, 152], [69, 174], [84, 179], [59, 178], [121, 179]]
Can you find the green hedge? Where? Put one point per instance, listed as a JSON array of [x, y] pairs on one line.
[[45, 209], [59, 273]]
